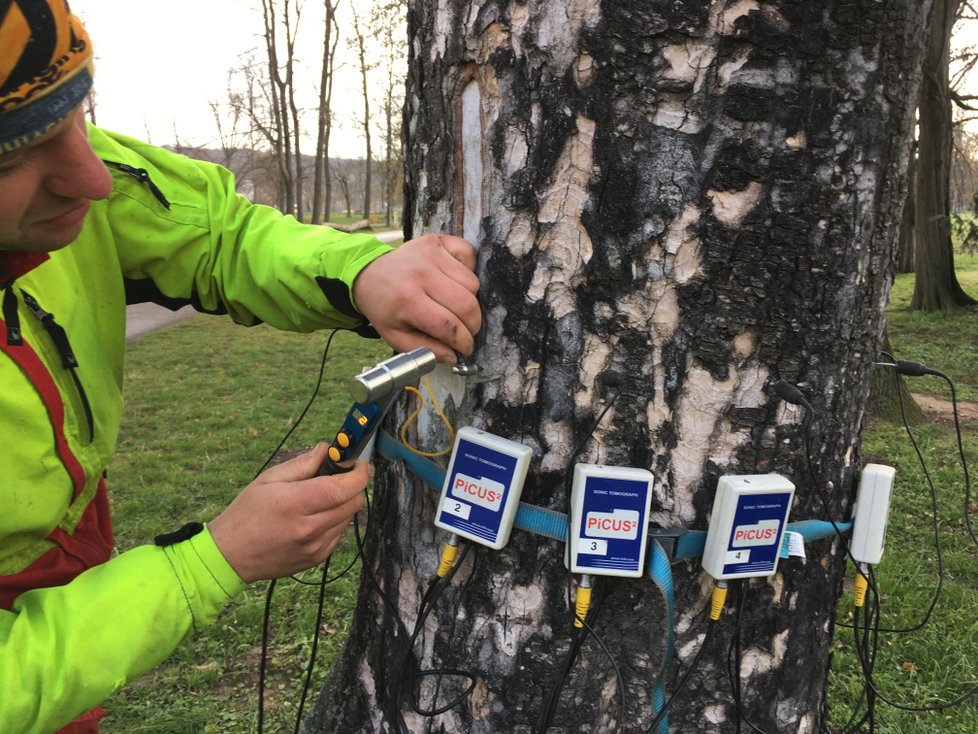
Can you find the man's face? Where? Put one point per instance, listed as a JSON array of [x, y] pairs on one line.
[[47, 187]]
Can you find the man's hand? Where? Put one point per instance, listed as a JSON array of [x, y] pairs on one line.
[[288, 519], [423, 295]]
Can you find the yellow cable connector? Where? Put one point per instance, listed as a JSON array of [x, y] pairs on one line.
[[448, 554], [861, 584], [411, 418], [719, 599], [583, 601]]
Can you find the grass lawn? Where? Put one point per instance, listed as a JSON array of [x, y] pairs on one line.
[[207, 401], [936, 664]]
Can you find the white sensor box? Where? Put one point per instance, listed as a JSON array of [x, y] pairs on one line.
[[871, 513], [609, 520], [747, 525], [482, 487]]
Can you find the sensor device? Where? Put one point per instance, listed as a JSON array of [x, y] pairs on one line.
[[871, 513], [374, 391], [747, 525], [609, 520], [482, 487], [358, 429]]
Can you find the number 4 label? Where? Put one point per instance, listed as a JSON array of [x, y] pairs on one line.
[[737, 556]]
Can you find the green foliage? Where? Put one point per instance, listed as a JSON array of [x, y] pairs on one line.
[[964, 229]]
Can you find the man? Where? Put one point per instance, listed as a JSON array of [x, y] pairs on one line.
[[87, 220]]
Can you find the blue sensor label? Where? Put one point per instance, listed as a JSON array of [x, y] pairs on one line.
[[613, 512], [755, 538], [477, 491]]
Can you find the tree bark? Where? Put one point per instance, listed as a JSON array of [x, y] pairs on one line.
[[705, 198], [936, 286]]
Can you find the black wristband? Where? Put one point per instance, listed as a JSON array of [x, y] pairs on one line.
[[185, 533]]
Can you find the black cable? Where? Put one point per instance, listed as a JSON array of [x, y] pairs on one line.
[[865, 664], [434, 592], [734, 659], [428, 601], [454, 616], [610, 378], [263, 666], [312, 398], [315, 647], [964, 460], [580, 635], [935, 521], [432, 595], [710, 628]]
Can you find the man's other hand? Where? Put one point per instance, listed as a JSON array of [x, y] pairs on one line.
[[288, 519], [423, 294]]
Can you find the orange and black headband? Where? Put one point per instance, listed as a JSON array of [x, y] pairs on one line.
[[45, 68]]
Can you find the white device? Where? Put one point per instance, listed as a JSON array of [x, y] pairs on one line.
[[482, 487], [871, 513], [609, 520], [747, 525]]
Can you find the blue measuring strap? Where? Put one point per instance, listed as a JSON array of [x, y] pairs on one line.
[[691, 543], [553, 524], [660, 571]]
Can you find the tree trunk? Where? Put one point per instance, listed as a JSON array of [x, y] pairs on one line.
[[320, 200], [936, 286], [704, 198], [889, 398], [908, 231], [360, 38]]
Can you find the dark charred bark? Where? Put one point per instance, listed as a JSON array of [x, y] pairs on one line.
[[705, 198]]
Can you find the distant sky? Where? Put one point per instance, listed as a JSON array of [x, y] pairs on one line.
[[159, 65]]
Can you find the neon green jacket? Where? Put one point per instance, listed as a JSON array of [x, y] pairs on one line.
[[66, 648]]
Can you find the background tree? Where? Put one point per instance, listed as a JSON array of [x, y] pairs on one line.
[[322, 176], [936, 286], [704, 198], [281, 24], [346, 178], [387, 21], [359, 43]]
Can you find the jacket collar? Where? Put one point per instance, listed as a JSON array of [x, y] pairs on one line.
[[15, 264]]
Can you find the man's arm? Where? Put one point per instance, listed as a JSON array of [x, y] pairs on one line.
[[211, 247], [65, 649]]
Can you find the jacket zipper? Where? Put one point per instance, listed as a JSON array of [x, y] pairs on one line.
[[140, 174], [68, 360]]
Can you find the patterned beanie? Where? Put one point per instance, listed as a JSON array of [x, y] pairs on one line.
[[45, 68]]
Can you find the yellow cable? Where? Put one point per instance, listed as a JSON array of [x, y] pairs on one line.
[[861, 583], [582, 605], [448, 554], [719, 599], [411, 418]]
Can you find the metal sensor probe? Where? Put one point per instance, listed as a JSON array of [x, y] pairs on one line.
[[392, 374], [374, 391]]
